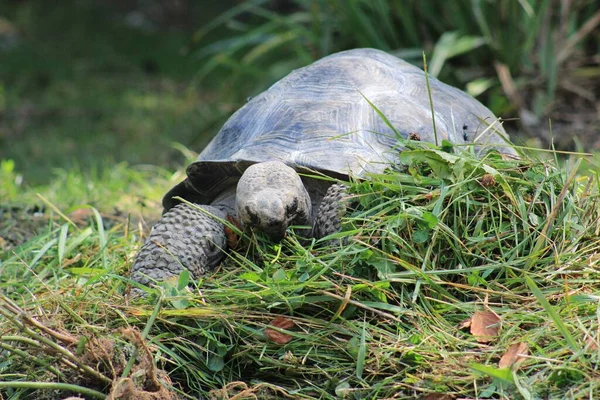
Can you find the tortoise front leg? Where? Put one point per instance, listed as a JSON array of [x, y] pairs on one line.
[[331, 210], [185, 237]]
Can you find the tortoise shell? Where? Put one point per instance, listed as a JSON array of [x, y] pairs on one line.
[[319, 118]]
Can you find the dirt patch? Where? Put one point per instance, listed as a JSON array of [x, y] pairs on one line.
[[145, 381], [110, 358], [18, 225]]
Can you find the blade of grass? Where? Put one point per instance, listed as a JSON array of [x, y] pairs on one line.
[[362, 351], [56, 210], [558, 322], [430, 99], [452, 44], [543, 237], [227, 16], [62, 239], [53, 386], [40, 253], [101, 237]]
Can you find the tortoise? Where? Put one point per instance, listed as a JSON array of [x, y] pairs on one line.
[[325, 118]]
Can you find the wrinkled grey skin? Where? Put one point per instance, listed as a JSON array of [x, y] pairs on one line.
[[318, 118]]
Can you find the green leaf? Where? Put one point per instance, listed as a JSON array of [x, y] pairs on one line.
[[439, 162], [342, 390], [352, 346], [383, 265], [184, 280], [430, 219], [479, 86], [7, 166], [502, 374], [215, 363], [280, 275], [179, 303], [420, 236], [251, 276]]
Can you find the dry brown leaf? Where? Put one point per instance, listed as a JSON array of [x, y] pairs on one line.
[[591, 343], [485, 326], [67, 262], [488, 180], [465, 324], [514, 355], [437, 396], [81, 215], [281, 323]]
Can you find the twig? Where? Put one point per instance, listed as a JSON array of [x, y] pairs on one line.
[[585, 30], [61, 350], [28, 356], [54, 386], [360, 305]]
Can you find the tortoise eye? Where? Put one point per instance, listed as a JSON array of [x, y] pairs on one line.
[[465, 134]]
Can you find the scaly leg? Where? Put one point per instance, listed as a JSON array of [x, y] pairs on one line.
[[331, 210], [185, 237]]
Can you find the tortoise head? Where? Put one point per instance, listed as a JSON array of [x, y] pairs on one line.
[[270, 197]]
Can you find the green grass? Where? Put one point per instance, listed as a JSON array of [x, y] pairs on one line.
[[81, 88], [429, 243]]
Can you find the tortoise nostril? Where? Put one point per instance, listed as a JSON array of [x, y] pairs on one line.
[[292, 208], [254, 220]]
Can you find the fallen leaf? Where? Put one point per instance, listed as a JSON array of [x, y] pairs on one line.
[[488, 180], [485, 326], [281, 323], [437, 396], [465, 324], [591, 343], [81, 215], [70, 261], [514, 355]]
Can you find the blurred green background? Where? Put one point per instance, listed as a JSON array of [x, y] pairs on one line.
[[89, 83]]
